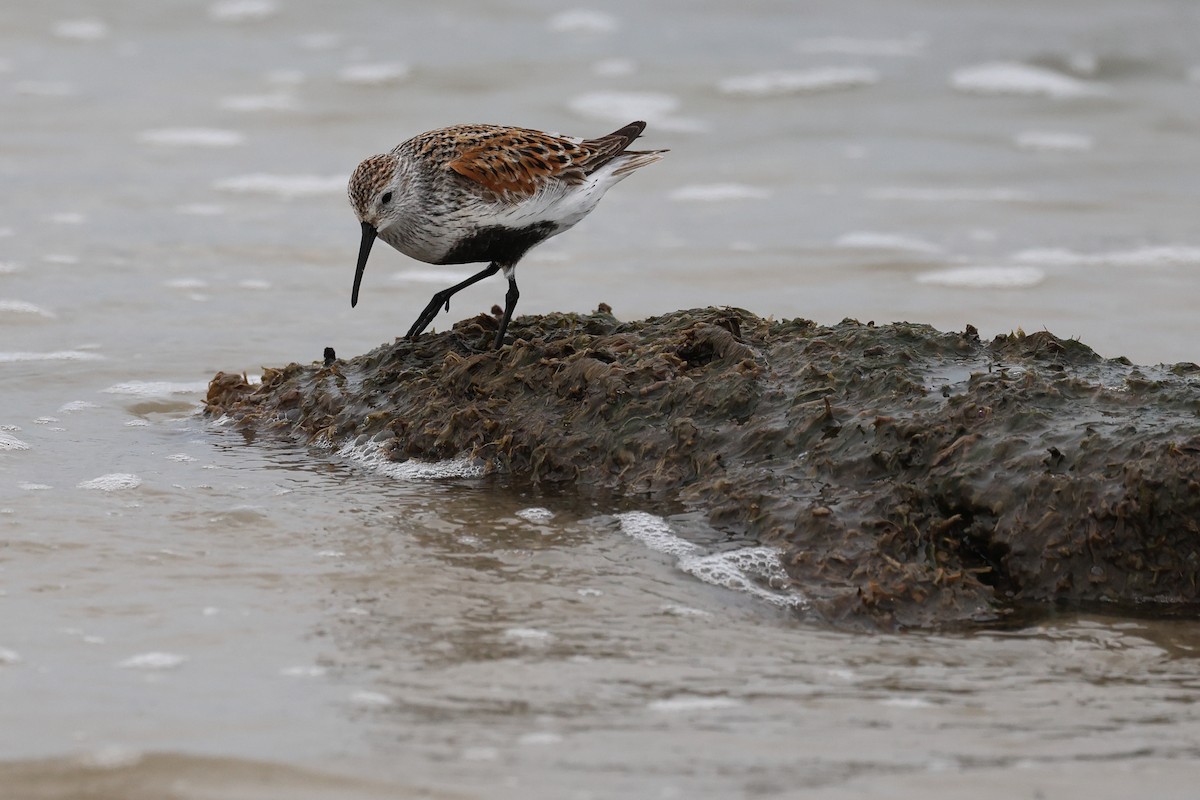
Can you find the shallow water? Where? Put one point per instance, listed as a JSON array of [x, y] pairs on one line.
[[182, 608]]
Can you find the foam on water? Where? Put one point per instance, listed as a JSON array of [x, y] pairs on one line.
[[853, 46], [9, 268], [528, 635], [614, 67], [371, 455], [60, 258], [153, 661], [254, 283], [201, 209], [535, 514], [718, 192], [870, 240], [57, 355], [81, 30], [275, 101], [1141, 257], [304, 671], [654, 532], [1010, 77], [657, 108], [809, 81], [582, 20], [112, 482], [932, 194], [10, 442], [287, 187], [8, 656], [156, 388], [1053, 141], [22, 307], [682, 704], [370, 699], [76, 406], [374, 74], [67, 218], [984, 277], [243, 10], [753, 570], [33, 487], [191, 137]]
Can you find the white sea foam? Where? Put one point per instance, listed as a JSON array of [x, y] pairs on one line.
[[275, 101], [57, 355], [446, 276], [25, 486], [537, 738], [81, 30], [156, 388], [370, 699], [371, 455], [808, 81], [930, 194], [1054, 141], [254, 283], [870, 240], [287, 187], [243, 10], [112, 482], [9, 656], [10, 442], [984, 277], [153, 661], [201, 209], [657, 108], [374, 74], [191, 137], [1010, 77], [718, 192], [1141, 257], [535, 514], [681, 704], [654, 532], [854, 46], [45, 88], [9, 268], [753, 570], [22, 307], [186, 283], [303, 671], [76, 406], [528, 635], [582, 20], [614, 67]]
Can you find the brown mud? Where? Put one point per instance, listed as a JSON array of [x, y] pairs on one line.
[[912, 477]]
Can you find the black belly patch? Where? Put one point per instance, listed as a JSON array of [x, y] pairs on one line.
[[498, 243]]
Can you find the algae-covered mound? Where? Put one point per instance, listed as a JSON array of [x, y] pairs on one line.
[[912, 477]]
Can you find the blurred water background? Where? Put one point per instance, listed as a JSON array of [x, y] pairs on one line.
[[182, 610]]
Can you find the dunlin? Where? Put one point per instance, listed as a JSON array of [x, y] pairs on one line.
[[473, 193]]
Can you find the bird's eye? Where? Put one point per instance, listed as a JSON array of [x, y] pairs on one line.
[[387, 198]]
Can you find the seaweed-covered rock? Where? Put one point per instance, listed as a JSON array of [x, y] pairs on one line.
[[912, 477]]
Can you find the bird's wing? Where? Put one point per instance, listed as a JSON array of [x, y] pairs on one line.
[[514, 164]]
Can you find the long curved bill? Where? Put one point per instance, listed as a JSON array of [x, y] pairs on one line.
[[364, 250]]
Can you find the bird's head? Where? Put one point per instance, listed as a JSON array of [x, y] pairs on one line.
[[374, 190]]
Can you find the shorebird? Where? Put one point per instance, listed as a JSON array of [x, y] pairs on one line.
[[473, 193]]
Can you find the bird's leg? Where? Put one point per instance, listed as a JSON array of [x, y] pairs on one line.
[[510, 302], [443, 298]]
